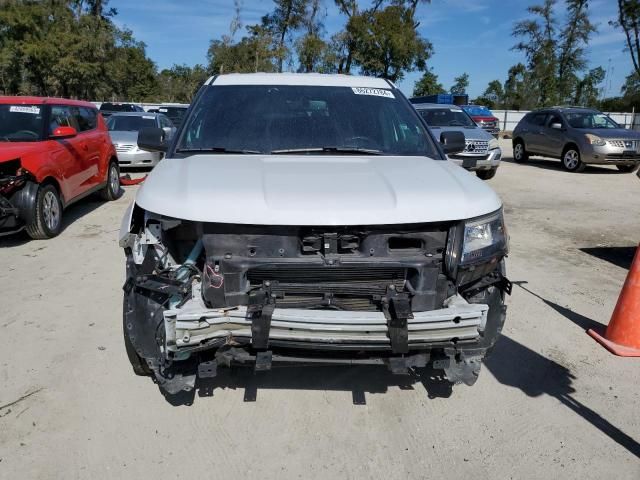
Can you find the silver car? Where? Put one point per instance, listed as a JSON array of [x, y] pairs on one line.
[[482, 153], [124, 128], [577, 136]]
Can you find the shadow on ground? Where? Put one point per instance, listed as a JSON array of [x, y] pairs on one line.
[[359, 380], [620, 256], [511, 363]]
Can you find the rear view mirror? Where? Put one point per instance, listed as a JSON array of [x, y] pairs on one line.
[[152, 139], [556, 126], [452, 142], [64, 132]]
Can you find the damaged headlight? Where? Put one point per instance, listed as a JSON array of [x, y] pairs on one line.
[[477, 241], [483, 238]]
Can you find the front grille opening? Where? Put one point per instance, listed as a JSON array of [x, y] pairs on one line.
[[343, 288], [405, 244]]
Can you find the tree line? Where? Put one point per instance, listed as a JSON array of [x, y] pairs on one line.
[[556, 70], [73, 48]]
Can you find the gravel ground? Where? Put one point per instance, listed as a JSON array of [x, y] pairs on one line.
[[550, 402]]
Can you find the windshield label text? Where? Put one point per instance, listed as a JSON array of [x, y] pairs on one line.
[[24, 109], [376, 92]]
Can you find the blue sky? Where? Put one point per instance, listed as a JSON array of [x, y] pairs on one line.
[[472, 36]]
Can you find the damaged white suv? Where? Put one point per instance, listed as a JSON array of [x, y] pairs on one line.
[[309, 218]]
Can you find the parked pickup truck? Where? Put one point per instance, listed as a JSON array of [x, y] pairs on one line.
[[307, 218], [484, 118]]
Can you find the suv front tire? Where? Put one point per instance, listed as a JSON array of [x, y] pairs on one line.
[[571, 160], [520, 155]]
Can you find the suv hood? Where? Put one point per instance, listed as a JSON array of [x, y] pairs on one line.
[[314, 190], [612, 133], [470, 133]]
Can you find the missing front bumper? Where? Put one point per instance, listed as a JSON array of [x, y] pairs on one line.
[[193, 326]]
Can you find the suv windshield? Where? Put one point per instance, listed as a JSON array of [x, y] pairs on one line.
[[478, 111], [21, 123], [590, 120], [130, 123], [305, 119], [446, 117], [175, 114]]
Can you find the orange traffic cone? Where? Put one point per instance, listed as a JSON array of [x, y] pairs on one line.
[[623, 332]]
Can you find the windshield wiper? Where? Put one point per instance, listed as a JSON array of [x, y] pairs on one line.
[[353, 150], [216, 150]]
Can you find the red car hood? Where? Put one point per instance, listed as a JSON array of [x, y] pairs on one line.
[[11, 151], [483, 118]]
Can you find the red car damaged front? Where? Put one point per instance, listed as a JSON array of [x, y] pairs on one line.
[[53, 152]]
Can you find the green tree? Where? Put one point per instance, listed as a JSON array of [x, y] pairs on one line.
[[460, 84], [387, 44], [517, 89], [493, 95], [428, 85], [555, 55], [629, 21], [256, 52], [571, 55], [181, 82], [287, 16], [587, 91], [310, 47], [539, 46]]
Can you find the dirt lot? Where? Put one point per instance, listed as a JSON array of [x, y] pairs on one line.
[[550, 402]]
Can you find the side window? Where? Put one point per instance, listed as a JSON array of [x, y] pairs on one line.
[[165, 122], [62, 116], [554, 118], [537, 119], [87, 118]]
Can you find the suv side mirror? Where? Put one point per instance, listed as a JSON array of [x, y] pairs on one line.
[[64, 132], [152, 139], [556, 126], [452, 142]]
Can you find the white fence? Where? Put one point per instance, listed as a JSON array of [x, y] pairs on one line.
[[510, 118]]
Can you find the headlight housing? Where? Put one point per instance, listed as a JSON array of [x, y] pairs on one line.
[[483, 238], [493, 143], [475, 246], [595, 140]]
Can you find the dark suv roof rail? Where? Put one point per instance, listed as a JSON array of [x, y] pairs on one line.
[[571, 106]]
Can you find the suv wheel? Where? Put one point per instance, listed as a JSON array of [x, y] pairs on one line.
[[519, 153], [627, 168], [47, 218], [111, 190], [486, 174], [571, 160]]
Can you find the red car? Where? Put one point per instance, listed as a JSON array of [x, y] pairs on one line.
[[53, 152], [484, 118]]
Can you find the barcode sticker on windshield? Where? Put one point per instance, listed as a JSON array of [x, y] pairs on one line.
[[163, 110], [376, 92], [455, 110], [148, 117], [24, 109]]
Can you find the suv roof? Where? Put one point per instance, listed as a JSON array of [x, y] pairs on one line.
[[45, 100], [302, 79], [426, 106], [135, 114], [565, 108]]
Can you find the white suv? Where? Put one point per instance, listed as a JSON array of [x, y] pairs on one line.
[[305, 217]]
